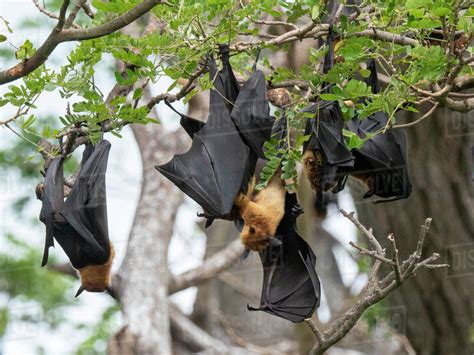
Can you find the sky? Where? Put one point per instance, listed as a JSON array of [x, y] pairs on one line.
[[123, 188]]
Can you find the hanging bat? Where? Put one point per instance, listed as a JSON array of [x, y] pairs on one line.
[[79, 224], [218, 165], [291, 288], [326, 158], [381, 163], [262, 211]]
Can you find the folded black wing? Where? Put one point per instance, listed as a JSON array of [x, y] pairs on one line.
[[382, 157], [291, 288], [53, 202], [213, 170], [251, 113], [86, 207], [325, 130]]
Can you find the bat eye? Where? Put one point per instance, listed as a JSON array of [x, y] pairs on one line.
[[252, 230]]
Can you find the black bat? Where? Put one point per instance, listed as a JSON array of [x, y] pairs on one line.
[[291, 288], [218, 164], [381, 162], [327, 160], [80, 224]]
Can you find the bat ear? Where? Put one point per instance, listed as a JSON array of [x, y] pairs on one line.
[[79, 291], [111, 292]]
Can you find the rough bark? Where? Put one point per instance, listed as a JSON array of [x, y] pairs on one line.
[[437, 308], [143, 276]]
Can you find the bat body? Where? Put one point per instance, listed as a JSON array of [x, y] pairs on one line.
[[291, 288], [261, 212], [80, 224], [326, 158]]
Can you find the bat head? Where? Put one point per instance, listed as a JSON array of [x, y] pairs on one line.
[[96, 278], [313, 166]]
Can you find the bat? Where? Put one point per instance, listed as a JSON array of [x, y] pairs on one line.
[[326, 158], [79, 224], [262, 211], [217, 166], [381, 162], [291, 288]]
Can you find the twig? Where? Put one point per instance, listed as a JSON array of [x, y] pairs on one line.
[[426, 115], [315, 330], [372, 253], [50, 14], [396, 267]]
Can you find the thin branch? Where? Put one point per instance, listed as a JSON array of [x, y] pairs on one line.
[[50, 14], [368, 233], [186, 88], [426, 115], [396, 260], [73, 14]]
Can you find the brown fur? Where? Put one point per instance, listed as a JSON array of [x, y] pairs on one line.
[[261, 213], [95, 278], [313, 166], [365, 179]]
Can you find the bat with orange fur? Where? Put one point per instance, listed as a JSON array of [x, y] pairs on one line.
[[79, 224]]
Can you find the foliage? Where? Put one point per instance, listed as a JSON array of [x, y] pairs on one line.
[[193, 29]]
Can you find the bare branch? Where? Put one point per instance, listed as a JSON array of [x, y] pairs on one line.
[[426, 115], [50, 14], [386, 37], [215, 264], [396, 261], [374, 292]]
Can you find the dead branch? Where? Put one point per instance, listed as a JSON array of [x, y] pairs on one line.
[[374, 291]]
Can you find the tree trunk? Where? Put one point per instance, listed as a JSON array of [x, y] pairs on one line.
[[143, 275], [436, 307]]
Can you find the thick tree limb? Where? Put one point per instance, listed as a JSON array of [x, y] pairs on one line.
[[209, 269], [58, 35]]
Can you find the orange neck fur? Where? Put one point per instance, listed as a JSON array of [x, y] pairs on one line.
[[95, 278]]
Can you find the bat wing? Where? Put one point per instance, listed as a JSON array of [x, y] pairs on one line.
[[291, 288], [228, 83], [383, 156], [53, 202], [251, 113], [86, 206], [325, 130], [212, 172], [190, 125]]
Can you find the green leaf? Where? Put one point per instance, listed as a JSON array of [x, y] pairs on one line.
[[138, 93], [315, 12], [328, 97], [3, 38]]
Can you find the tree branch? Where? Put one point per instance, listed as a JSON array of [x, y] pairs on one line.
[[212, 266], [374, 292], [60, 35]]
